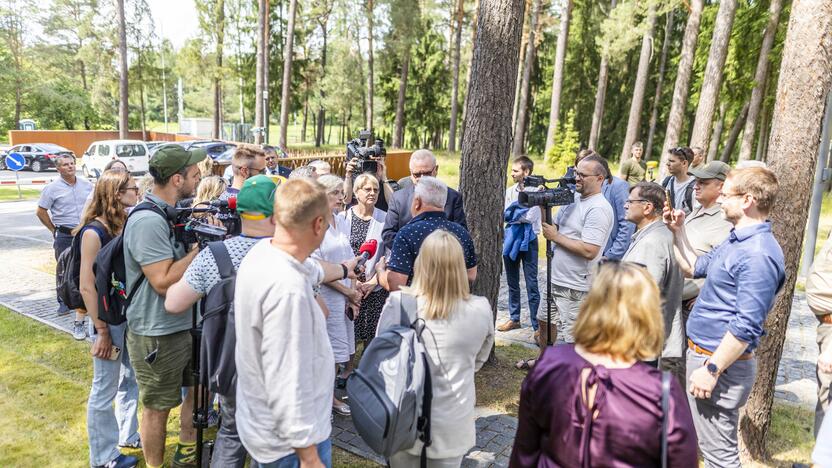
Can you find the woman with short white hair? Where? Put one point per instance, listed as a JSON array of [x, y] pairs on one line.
[[340, 297]]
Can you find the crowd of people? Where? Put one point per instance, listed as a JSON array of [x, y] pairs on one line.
[[659, 295]]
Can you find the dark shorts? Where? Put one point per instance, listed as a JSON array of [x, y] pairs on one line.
[[161, 382]]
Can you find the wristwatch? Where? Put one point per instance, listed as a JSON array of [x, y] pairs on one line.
[[712, 368]]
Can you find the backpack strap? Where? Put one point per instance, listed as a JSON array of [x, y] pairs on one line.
[[666, 181], [666, 376], [689, 195], [408, 309], [144, 206], [423, 422], [222, 258]]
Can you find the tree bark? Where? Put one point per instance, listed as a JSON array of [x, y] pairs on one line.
[[682, 85], [557, 80], [319, 133], [460, 13], [600, 96], [487, 142], [468, 73], [524, 38], [735, 134], [305, 117], [762, 135], [370, 85], [286, 94], [760, 75], [713, 146], [518, 145], [123, 122], [636, 105], [216, 128], [260, 85], [654, 114], [398, 139], [805, 81], [712, 81]]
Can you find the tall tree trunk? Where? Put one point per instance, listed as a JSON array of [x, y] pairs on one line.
[[634, 120], [600, 96], [262, 51], [760, 75], [123, 122], [398, 139], [712, 81], [370, 86], [518, 144], [762, 137], [557, 79], [216, 128], [735, 134], [286, 94], [805, 80], [305, 117], [487, 143], [267, 94], [654, 114], [524, 38], [141, 100], [468, 73], [713, 146], [319, 133], [682, 85], [460, 13]]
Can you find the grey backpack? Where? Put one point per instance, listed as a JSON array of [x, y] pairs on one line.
[[390, 393]]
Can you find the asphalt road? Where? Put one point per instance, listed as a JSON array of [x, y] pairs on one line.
[[20, 223], [29, 175]]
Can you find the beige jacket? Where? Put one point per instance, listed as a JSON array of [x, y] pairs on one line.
[[819, 281]]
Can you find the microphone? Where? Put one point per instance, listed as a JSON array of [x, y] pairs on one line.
[[230, 203], [367, 250]]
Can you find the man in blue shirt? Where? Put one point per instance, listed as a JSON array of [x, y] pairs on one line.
[[428, 213], [742, 278], [616, 191]]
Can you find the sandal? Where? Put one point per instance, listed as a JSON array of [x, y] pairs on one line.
[[526, 364]]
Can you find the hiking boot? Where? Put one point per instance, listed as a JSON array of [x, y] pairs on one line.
[[122, 461], [185, 456], [79, 330], [508, 326]]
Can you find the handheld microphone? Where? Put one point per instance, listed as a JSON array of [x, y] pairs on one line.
[[367, 250]]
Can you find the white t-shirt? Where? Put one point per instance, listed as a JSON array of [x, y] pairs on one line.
[[533, 215], [679, 189], [589, 220], [285, 366]]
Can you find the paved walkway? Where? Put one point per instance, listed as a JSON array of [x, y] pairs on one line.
[[27, 286]]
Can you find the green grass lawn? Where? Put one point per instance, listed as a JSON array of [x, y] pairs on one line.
[[10, 194]]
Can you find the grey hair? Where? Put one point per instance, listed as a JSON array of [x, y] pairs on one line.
[[331, 182], [321, 166], [303, 172], [431, 191], [424, 155]]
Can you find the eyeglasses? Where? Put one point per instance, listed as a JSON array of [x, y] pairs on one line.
[[584, 176], [370, 189], [419, 175], [269, 158], [253, 172], [135, 189], [731, 195], [638, 200]]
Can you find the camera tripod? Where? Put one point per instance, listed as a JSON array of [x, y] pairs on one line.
[[202, 405], [550, 252]]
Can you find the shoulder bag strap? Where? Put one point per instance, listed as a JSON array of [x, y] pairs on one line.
[[666, 376], [143, 206], [223, 258]]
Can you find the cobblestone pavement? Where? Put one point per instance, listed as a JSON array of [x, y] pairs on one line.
[[27, 286]]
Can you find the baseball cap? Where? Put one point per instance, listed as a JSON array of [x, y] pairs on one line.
[[712, 170], [172, 158], [257, 195]]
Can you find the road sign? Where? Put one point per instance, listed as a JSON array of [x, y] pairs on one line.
[[15, 161]]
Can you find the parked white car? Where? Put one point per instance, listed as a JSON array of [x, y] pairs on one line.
[[133, 153]]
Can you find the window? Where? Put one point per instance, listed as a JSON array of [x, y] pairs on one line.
[[103, 150], [130, 150]]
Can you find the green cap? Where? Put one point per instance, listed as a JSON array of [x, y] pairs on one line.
[[171, 158], [257, 195], [712, 170]]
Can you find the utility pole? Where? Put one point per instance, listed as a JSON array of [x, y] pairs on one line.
[[821, 176]]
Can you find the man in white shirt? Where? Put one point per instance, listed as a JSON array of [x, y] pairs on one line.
[[520, 169], [580, 232], [679, 182], [285, 365]]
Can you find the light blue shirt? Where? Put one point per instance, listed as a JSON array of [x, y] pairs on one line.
[[64, 201], [742, 278], [616, 194]]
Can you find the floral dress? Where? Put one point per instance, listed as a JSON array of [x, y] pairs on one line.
[[367, 321]]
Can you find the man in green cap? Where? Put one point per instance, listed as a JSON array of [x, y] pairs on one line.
[[159, 343]]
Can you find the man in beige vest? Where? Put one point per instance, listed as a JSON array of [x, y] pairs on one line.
[[819, 297]]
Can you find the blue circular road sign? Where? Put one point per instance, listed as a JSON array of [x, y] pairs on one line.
[[15, 161]]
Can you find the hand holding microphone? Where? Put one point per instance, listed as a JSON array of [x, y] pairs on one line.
[[367, 250]]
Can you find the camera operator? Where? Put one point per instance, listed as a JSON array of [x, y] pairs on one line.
[[159, 343], [248, 161], [380, 175]]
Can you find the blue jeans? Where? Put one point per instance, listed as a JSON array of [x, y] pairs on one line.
[[292, 461], [529, 260], [107, 427], [62, 242]]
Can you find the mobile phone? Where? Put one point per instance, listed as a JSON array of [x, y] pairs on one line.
[[669, 199], [115, 353]]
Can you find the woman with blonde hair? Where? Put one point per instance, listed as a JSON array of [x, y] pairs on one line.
[[458, 336], [595, 402], [113, 376]]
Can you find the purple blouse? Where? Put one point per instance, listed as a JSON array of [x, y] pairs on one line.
[[554, 428]]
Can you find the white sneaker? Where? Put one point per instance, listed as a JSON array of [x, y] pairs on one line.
[[79, 330]]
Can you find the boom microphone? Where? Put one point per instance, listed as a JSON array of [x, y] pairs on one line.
[[367, 250], [230, 203]]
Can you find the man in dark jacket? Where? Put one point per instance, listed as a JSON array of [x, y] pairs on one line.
[[422, 163]]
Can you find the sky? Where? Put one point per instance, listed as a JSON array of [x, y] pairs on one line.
[[176, 20]]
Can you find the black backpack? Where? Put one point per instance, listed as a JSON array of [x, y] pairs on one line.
[[111, 274], [217, 369], [687, 202], [68, 271]]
